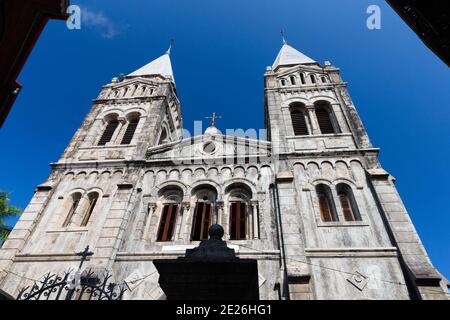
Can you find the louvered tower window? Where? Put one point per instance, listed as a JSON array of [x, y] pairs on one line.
[[238, 221], [129, 133], [299, 121], [298, 118], [108, 133], [326, 204], [323, 115], [168, 221]]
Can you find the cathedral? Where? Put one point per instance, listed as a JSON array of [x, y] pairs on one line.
[[308, 199]]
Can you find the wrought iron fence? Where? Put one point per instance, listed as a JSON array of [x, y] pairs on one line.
[[89, 287]]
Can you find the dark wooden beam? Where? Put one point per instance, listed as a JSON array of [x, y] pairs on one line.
[[21, 24]]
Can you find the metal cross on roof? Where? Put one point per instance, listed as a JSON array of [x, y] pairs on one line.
[[283, 36], [172, 41], [213, 119]]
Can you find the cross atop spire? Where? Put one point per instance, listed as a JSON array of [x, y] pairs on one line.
[[213, 119], [283, 37], [170, 46], [160, 66], [289, 56]]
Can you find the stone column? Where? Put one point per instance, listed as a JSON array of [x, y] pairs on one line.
[[117, 133], [312, 119], [185, 205], [82, 208], [220, 217], [255, 214], [187, 220], [151, 210], [219, 205], [249, 232]]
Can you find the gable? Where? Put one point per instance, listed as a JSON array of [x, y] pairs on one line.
[[210, 147]]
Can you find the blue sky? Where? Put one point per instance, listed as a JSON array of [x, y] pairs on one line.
[[400, 88]]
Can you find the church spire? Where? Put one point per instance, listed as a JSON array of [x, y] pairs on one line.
[[161, 66], [283, 37], [290, 56], [170, 47]]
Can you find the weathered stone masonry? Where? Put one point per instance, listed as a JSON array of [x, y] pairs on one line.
[[322, 217]]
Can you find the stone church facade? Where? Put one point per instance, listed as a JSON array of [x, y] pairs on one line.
[[310, 201]]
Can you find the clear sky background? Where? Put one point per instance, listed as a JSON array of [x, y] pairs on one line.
[[400, 88]]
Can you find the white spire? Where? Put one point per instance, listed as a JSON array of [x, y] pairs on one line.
[[290, 56], [161, 66]]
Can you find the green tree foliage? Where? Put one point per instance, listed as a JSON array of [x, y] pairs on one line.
[[6, 211]]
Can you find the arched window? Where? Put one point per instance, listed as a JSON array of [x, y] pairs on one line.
[[292, 80], [75, 200], [203, 214], [93, 199], [324, 79], [163, 137], [168, 222], [108, 132], [313, 78], [131, 128], [326, 203], [283, 82], [243, 221], [298, 118], [238, 221], [302, 78], [323, 114], [348, 204]]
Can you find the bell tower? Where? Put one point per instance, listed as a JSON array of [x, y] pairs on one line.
[[85, 199], [131, 114], [337, 207]]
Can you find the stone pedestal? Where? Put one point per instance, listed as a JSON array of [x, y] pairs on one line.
[[210, 271]]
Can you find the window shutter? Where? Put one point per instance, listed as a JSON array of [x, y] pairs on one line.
[[299, 123], [75, 200], [346, 207], [242, 221], [206, 221], [325, 209], [129, 133], [172, 219], [196, 226], [202, 221], [108, 133], [88, 214], [167, 224], [233, 216], [324, 120], [162, 224]]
